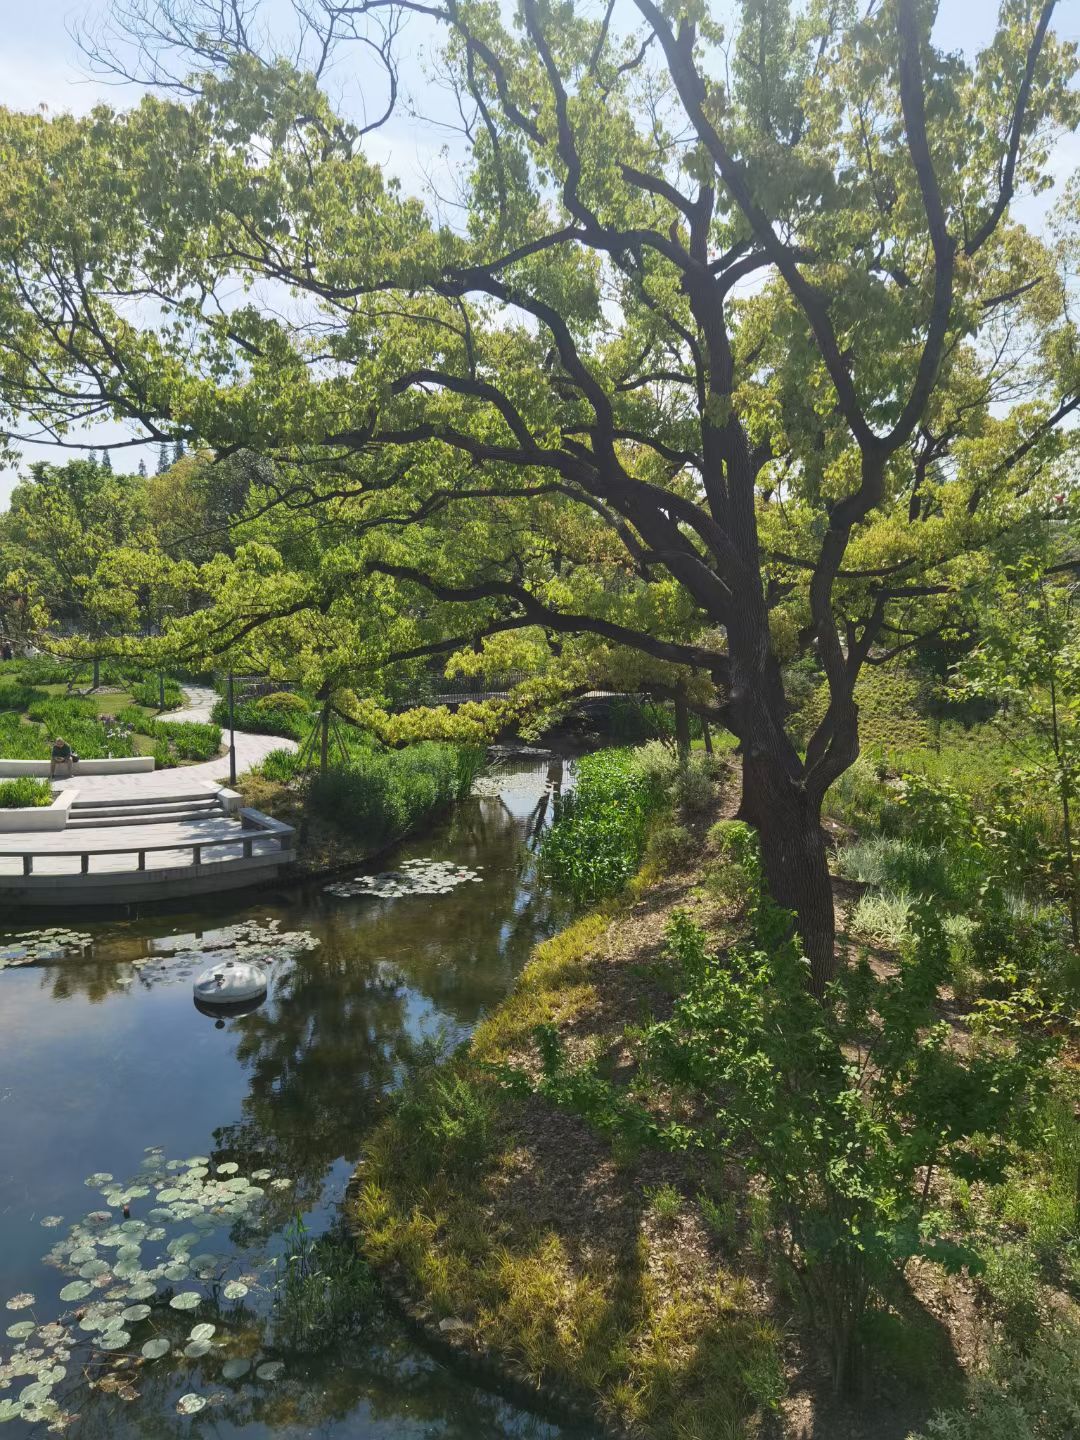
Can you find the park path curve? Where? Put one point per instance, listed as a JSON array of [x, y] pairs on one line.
[[251, 750]]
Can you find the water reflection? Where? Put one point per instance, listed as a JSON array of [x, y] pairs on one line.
[[103, 1057]]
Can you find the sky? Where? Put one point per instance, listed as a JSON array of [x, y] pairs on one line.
[[41, 64]]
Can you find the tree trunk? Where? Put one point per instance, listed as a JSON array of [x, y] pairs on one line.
[[324, 741], [97, 673], [706, 735], [794, 859], [682, 728]]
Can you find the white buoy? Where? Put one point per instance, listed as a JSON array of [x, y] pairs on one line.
[[231, 983]]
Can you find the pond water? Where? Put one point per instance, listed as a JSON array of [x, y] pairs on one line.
[[116, 1092]]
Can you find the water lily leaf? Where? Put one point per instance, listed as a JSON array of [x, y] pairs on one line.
[[167, 1196], [271, 1370], [261, 1174], [229, 1168], [190, 1404], [10, 1410], [35, 1393], [93, 1269], [282, 1184], [21, 1329], [77, 1290], [196, 1349], [235, 1290], [177, 1272], [102, 1177], [183, 1243], [142, 1291], [155, 1349], [21, 1301], [186, 1300], [202, 1332], [50, 1222], [134, 1313], [235, 1368], [114, 1339]]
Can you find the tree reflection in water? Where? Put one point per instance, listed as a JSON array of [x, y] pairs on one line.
[[344, 1022]]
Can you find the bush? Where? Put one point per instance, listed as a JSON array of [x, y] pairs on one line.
[[16, 696], [24, 793], [148, 693], [180, 740], [696, 785], [278, 714], [78, 722], [380, 796], [843, 1112], [279, 765], [599, 833]]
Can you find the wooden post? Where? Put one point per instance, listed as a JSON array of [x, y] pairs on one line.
[[28, 864], [142, 860], [196, 854], [247, 849], [84, 864]]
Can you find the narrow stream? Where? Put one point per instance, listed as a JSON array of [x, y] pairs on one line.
[[114, 1089]]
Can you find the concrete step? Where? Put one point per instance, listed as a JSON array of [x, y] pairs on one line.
[[166, 817], [206, 801], [145, 802]]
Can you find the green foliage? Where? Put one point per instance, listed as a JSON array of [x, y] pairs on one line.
[[601, 827], [77, 722], [279, 714], [446, 1117], [841, 1111], [24, 792], [381, 795], [279, 765], [1024, 1393], [326, 1293], [17, 696], [148, 693]]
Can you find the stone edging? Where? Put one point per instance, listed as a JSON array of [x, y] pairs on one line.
[[456, 1345]]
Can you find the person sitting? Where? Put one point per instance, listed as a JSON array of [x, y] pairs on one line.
[[62, 754]]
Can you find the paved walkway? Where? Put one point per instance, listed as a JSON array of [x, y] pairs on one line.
[[184, 780]]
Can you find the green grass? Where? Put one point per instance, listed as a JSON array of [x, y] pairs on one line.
[[24, 793]]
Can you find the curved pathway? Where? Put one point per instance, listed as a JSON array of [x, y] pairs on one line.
[[184, 779]]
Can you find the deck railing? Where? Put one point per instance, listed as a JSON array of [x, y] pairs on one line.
[[283, 834]]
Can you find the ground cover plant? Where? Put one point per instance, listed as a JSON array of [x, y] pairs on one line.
[[24, 791], [280, 713]]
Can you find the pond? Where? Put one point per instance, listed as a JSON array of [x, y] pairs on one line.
[[168, 1181]]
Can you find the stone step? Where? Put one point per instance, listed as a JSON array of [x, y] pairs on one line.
[[143, 804], [102, 820]]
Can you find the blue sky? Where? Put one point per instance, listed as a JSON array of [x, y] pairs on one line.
[[40, 64]]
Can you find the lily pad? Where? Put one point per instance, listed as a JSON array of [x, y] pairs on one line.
[[235, 1290], [270, 1370], [190, 1404], [142, 1291], [134, 1313], [77, 1290], [21, 1301], [229, 1168], [202, 1332], [196, 1349], [186, 1300], [236, 1368], [114, 1340], [95, 1181], [50, 1222], [10, 1410], [155, 1349], [21, 1329]]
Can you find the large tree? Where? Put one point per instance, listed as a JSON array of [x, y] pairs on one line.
[[729, 349]]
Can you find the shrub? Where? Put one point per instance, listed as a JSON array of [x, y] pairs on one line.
[[669, 845], [79, 724], [599, 833], [842, 1111], [276, 714], [24, 793], [180, 740], [279, 765], [696, 785], [15, 696], [148, 693], [381, 795]]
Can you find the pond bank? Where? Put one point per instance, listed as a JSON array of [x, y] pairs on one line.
[[618, 1284]]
